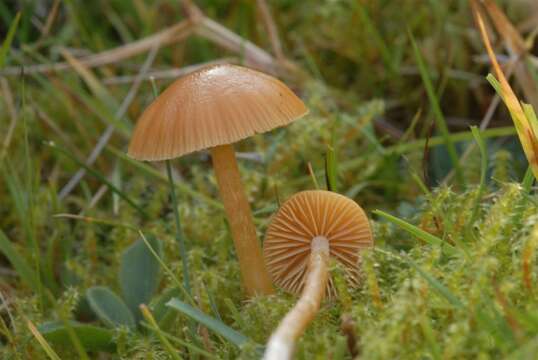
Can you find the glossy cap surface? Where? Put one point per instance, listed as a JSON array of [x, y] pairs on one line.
[[303, 217], [213, 106]]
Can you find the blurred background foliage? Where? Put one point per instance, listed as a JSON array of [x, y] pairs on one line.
[[353, 64]]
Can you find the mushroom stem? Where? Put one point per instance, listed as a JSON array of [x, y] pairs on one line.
[[254, 274], [282, 341]]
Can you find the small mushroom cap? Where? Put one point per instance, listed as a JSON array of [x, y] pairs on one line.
[[303, 217], [213, 106]]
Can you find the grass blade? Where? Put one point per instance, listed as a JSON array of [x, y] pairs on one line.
[[437, 285], [166, 268], [151, 171], [44, 344], [99, 177], [515, 44], [410, 146], [528, 179], [430, 337], [9, 39], [417, 232], [522, 115], [155, 327], [90, 79], [92, 220], [312, 175], [376, 37], [180, 235], [438, 114], [438, 140], [526, 351], [20, 199], [217, 326], [434, 283], [330, 169], [20, 265], [188, 345], [483, 170]]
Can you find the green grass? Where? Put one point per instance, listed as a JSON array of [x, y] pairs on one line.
[[454, 269]]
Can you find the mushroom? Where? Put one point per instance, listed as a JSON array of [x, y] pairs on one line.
[[211, 109], [309, 228]]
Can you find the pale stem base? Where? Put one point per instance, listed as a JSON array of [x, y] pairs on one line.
[[282, 341]]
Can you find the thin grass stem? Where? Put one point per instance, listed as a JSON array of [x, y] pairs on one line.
[[179, 233]]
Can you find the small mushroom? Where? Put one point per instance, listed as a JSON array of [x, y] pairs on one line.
[[211, 109], [310, 228]]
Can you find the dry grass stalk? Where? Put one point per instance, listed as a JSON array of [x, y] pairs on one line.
[[197, 22], [107, 134], [484, 124], [169, 73], [271, 29], [522, 114], [220, 35], [164, 37], [50, 18], [66, 139]]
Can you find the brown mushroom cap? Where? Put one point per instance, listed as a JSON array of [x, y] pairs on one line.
[[213, 106], [303, 217]]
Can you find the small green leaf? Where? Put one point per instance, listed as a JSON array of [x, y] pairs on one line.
[[93, 338], [211, 323], [139, 274], [109, 307]]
